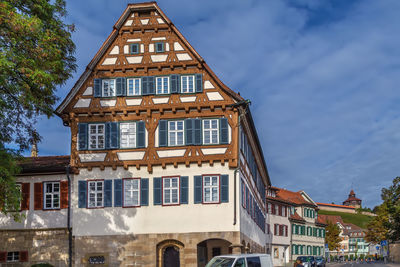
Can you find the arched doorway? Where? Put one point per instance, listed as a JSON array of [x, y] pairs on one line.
[[210, 248], [171, 257]]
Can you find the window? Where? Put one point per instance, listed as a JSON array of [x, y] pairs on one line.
[[52, 195], [211, 189], [135, 49], [210, 131], [187, 84], [276, 253], [269, 207], [159, 47], [134, 86], [109, 87], [240, 263], [127, 132], [253, 262], [216, 251], [175, 133], [96, 136], [95, 194], [131, 192], [13, 256], [162, 85], [170, 190]]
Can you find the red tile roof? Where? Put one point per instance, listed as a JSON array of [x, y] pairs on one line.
[[296, 217], [330, 218], [293, 197], [335, 206], [43, 165]]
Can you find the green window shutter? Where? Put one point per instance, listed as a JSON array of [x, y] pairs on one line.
[[184, 187], [82, 185], [157, 191], [198, 189], [82, 136], [199, 83], [197, 138], [174, 83], [140, 134], [118, 193], [144, 191], [108, 193], [162, 133], [189, 131], [293, 229], [223, 131], [120, 86], [97, 87], [224, 188]]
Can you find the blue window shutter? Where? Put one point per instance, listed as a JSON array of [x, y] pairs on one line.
[[162, 133], [189, 134], [223, 131], [151, 88], [112, 135], [144, 86], [108, 193], [121, 86], [197, 138], [184, 187], [117, 193], [224, 188], [174, 83], [199, 83], [97, 87], [198, 189], [144, 192], [157, 191], [82, 194], [140, 134], [82, 136]]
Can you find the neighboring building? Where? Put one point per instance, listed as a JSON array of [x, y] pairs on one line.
[[335, 207], [343, 249], [357, 244], [278, 227], [352, 200], [169, 168], [307, 230], [42, 234]]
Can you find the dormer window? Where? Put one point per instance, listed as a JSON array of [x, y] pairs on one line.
[[135, 49], [160, 47]]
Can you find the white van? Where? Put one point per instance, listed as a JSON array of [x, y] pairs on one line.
[[241, 260]]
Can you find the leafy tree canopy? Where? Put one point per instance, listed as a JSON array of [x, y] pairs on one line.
[[332, 236], [377, 228], [36, 56], [391, 199]]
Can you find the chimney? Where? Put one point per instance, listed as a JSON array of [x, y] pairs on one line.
[[34, 150]]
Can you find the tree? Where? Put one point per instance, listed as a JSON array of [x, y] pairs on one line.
[[36, 56], [332, 236], [377, 228], [391, 198]]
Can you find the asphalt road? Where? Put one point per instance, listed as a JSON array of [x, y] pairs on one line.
[[352, 264]]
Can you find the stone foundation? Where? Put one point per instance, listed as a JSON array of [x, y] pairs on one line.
[[43, 246], [147, 249]]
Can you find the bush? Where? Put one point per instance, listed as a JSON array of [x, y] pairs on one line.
[[42, 265], [346, 257], [362, 256], [351, 257]]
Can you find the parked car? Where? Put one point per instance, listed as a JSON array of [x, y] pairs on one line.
[[241, 260], [320, 261], [308, 261]]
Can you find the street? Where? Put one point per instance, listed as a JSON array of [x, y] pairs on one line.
[[353, 264]]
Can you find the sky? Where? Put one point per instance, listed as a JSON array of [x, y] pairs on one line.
[[322, 77]]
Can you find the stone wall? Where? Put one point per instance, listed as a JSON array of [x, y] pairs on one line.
[[394, 250], [43, 246]]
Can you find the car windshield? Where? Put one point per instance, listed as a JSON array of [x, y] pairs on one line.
[[319, 258], [220, 262], [303, 259]]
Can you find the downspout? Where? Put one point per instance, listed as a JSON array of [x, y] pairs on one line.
[[69, 219]]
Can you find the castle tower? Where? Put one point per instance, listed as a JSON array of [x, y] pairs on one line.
[[352, 200]]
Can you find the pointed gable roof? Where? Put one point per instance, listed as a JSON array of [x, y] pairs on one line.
[[297, 198], [114, 34]]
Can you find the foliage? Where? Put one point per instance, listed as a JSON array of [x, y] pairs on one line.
[[360, 220], [351, 257], [377, 227], [36, 56], [391, 198], [360, 210], [332, 236]]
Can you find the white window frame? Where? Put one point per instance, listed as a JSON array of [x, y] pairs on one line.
[[136, 91], [14, 256], [131, 190], [164, 89], [176, 131], [52, 195], [211, 187], [97, 136], [210, 130], [95, 192], [108, 82], [171, 190], [127, 133], [185, 84]]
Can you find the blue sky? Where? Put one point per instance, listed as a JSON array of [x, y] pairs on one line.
[[322, 76]]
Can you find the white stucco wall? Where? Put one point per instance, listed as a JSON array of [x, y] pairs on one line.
[[37, 219]]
